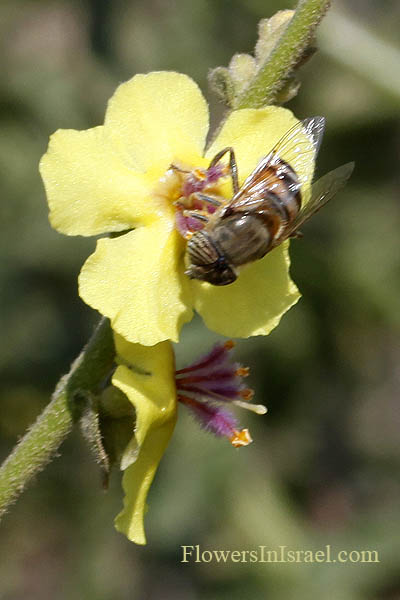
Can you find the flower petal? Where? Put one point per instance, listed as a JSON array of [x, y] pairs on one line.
[[254, 303], [254, 132], [89, 189], [137, 281], [156, 118], [147, 379]]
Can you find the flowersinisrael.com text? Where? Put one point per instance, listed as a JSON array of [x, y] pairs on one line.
[[281, 554]]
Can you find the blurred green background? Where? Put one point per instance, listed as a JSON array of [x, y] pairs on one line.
[[324, 468]]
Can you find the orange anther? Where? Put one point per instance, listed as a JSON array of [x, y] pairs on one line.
[[242, 371], [241, 438], [229, 344], [199, 173], [247, 394]]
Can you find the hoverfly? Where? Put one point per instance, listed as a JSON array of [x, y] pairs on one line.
[[266, 210]]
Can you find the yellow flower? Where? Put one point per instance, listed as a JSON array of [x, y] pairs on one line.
[[147, 377], [116, 178]]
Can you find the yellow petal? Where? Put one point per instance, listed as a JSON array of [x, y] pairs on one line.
[[156, 118], [254, 132], [137, 281], [254, 303], [89, 189], [147, 379]]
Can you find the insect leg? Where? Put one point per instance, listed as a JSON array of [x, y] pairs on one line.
[[232, 165], [178, 169], [206, 198], [194, 214]]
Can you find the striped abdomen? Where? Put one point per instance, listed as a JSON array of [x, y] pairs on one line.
[[282, 200]]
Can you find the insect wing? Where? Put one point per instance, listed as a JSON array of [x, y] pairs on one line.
[[322, 191], [253, 191], [298, 147]]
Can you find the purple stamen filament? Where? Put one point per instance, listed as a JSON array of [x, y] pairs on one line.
[[210, 381]]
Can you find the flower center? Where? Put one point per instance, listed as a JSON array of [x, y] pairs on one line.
[[194, 193]]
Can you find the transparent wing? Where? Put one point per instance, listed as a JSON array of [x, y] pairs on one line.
[[298, 147], [322, 191]]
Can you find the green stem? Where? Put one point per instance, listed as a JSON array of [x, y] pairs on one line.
[[289, 49], [45, 436]]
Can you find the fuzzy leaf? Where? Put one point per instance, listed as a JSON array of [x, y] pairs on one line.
[[91, 430]]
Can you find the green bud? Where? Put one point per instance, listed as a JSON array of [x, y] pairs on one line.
[[269, 32], [119, 441], [114, 404], [117, 423], [221, 83], [107, 424], [242, 69]]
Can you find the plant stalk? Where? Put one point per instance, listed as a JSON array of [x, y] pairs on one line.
[[289, 49], [45, 436]]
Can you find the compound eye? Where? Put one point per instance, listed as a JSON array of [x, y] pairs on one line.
[[228, 276], [223, 276]]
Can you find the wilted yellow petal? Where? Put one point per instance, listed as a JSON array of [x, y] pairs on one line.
[[156, 118], [89, 189], [138, 281], [147, 379], [254, 303]]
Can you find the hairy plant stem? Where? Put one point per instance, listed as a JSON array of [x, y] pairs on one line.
[[289, 49], [43, 439]]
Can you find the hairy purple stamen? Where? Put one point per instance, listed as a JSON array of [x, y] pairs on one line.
[[215, 380], [199, 180], [211, 417], [217, 355]]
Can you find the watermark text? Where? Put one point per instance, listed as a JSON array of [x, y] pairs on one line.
[[282, 554]]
